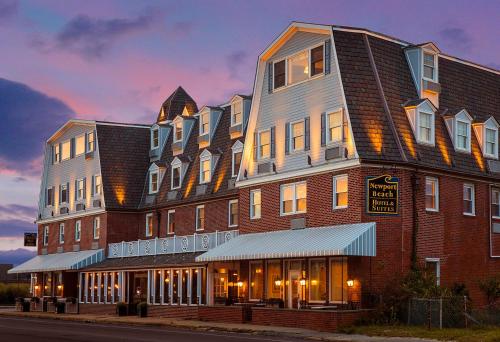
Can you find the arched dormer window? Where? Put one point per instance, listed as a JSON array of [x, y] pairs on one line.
[[155, 175], [205, 167], [237, 152]]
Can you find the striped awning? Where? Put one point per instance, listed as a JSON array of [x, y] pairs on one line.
[[60, 261], [349, 239]]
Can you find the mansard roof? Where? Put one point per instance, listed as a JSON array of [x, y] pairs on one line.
[[174, 105]]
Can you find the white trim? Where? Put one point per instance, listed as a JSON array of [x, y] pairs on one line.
[[432, 128], [229, 213], [201, 206], [97, 193], [78, 197], [148, 228], [334, 199], [473, 199], [174, 167], [205, 111], [96, 227], [437, 261], [72, 215], [252, 213], [291, 149], [203, 158], [78, 223], [61, 233], [436, 194], [233, 173], [236, 99], [259, 156], [151, 173], [171, 211], [328, 137], [153, 130], [434, 55], [294, 198], [178, 121]]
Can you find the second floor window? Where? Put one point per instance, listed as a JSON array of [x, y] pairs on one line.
[[45, 235], [97, 227], [176, 177], [293, 198], [255, 204], [233, 213], [264, 144], [80, 145], [97, 185], [50, 196], [66, 150], [335, 122], [149, 224], [153, 182], [64, 193], [78, 230], [204, 123], [90, 141], [155, 138], [80, 189], [495, 203], [340, 194], [61, 233], [171, 222], [205, 172], [236, 113], [178, 131], [200, 217], [297, 134], [431, 194], [57, 153], [469, 199]]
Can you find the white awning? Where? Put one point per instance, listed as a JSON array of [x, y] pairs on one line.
[[60, 261], [350, 239]]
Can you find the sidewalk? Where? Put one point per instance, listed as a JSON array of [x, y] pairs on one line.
[[211, 326]]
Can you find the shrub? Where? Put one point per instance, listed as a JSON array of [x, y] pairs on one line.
[[491, 288], [9, 292], [121, 309], [142, 309]]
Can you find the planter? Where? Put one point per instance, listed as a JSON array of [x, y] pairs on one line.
[[142, 309], [36, 306], [60, 307], [121, 309], [71, 308]]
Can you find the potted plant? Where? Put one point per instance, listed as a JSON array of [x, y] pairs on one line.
[[142, 309], [60, 307], [121, 309]]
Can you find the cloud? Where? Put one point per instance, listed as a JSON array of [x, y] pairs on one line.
[[15, 228], [92, 38], [234, 62], [17, 212], [29, 117], [456, 38], [8, 9]]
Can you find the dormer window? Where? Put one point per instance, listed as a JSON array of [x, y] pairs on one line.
[[487, 135], [178, 131], [153, 182], [205, 169], [425, 127], [420, 113], [205, 123], [236, 113], [430, 66], [237, 152], [491, 142], [459, 126], [463, 135], [176, 177], [155, 138]]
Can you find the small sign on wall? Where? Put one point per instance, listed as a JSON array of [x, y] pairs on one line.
[[30, 239], [382, 195]]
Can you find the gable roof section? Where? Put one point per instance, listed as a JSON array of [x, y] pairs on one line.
[[124, 157], [174, 105]]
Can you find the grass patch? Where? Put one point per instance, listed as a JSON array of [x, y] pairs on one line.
[[476, 334]]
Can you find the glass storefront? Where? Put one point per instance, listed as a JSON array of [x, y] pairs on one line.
[[257, 281]]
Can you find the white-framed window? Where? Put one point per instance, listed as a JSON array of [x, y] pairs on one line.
[[80, 189], [97, 227], [433, 268], [430, 63], [204, 122], [64, 193], [463, 133], [57, 153], [50, 196], [45, 235], [490, 142], [66, 150], [297, 136], [264, 144], [178, 131], [293, 198], [236, 112], [495, 203], [298, 67], [97, 185], [425, 127], [149, 224], [431, 194], [236, 162], [335, 126], [155, 138], [255, 204], [205, 170], [233, 213], [153, 181], [200, 217], [78, 230], [171, 221], [61, 233], [176, 177], [469, 200], [80, 145], [340, 192], [90, 141]]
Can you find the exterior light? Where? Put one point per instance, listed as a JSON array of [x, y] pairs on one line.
[[167, 280], [116, 286], [221, 280], [258, 270], [350, 283], [252, 284], [277, 282], [37, 287], [59, 287], [240, 284], [314, 282], [302, 281]]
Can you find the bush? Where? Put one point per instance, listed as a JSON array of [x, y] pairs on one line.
[[491, 288], [142, 309], [9, 292], [121, 309], [60, 307]]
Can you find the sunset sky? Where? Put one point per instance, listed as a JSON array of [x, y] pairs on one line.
[[118, 60]]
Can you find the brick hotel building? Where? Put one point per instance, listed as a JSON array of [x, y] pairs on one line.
[[358, 156]]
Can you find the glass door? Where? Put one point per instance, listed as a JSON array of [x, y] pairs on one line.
[[293, 289]]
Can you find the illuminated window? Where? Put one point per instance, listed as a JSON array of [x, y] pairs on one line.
[[57, 153], [255, 204], [298, 67], [256, 281], [233, 213], [431, 194], [200, 217], [429, 66], [61, 233], [317, 60], [78, 230], [153, 182], [340, 194], [317, 283], [204, 123], [176, 177], [66, 150], [335, 123], [237, 152], [205, 170], [155, 138], [90, 141], [293, 198], [274, 279], [338, 280], [97, 227], [264, 150], [171, 222], [236, 113], [149, 224], [469, 202], [80, 145], [45, 235], [297, 136], [97, 185], [178, 131]]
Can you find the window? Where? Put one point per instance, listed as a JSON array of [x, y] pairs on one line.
[[61, 233], [66, 150], [317, 57], [155, 138], [279, 74], [469, 202], [80, 189], [255, 204], [204, 123], [90, 141], [80, 145], [429, 66], [335, 122], [236, 113], [97, 185], [274, 279], [340, 194], [57, 153], [64, 193], [149, 224], [491, 142], [433, 269], [431, 194], [317, 285], [45, 235], [264, 144], [200, 217], [463, 135], [297, 134], [205, 172], [176, 177], [78, 230], [236, 162], [495, 202], [178, 131], [298, 67], [171, 222], [233, 213], [338, 280], [426, 127], [293, 198], [50, 196], [153, 182], [256, 281], [97, 227]]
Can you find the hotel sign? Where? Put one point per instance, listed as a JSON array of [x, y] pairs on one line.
[[30, 239], [382, 193]]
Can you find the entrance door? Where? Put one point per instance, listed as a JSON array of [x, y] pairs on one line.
[[293, 288]]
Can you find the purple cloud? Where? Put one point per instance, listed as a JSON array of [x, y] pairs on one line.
[[235, 60], [8, 9], [456, 38]]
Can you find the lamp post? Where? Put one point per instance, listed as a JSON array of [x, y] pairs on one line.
[[302, 283]]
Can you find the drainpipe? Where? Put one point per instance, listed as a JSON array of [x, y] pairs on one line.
[[414, 189]]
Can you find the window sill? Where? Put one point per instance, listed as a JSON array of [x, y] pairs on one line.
[[470, 214], [200, 230], [495, 217], [294, 213], [340, 207], [288, 86], [258, 218], [233, 226], [432, 210]]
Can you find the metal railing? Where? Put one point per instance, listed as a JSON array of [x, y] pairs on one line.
[[197, 242]]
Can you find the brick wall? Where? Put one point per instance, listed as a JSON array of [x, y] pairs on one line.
[[97, 309], [225, 314]]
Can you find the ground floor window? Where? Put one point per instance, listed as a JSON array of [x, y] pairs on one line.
[[220, 285], [47, 284], [256, 281], [317, 286], [100, 287], [274, 281], [338, 280]]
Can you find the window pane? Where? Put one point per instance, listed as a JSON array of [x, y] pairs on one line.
[[341, 196], [255, 198], [430, 194], [236, 162], [338, 280], [256, 281], [298, 69], [495, 194], [273, 280], [265, 144], [80, 145], [335, 126], [318, 281], [66, 150], [279, 74], [317, 60], [298, 136]]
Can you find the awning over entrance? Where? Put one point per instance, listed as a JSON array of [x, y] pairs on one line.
[[60, 261], [350, 239]]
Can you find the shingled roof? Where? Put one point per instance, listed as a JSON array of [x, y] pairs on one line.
[[174, 105]]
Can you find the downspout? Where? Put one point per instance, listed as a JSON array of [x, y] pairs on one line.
[[414, 191]]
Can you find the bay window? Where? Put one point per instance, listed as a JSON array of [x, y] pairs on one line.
[[293, 198]]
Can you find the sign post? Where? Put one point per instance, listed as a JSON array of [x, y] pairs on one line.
[[382, 195]]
